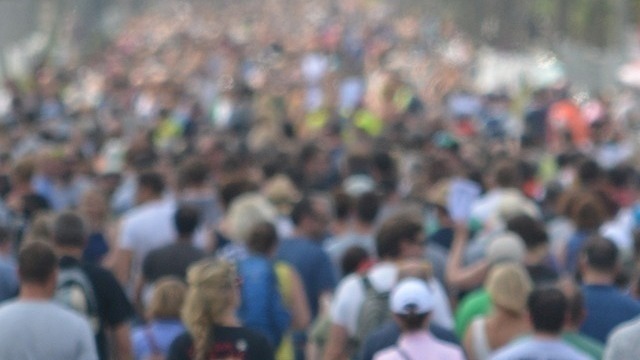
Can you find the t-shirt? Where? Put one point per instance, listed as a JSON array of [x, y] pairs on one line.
[[235, 343], [474, 304], [623, 343], [416, 344], [585, 344], [44, 330], [532, 348], [607, 307], [172, 259], [313, 266], [114, 308]]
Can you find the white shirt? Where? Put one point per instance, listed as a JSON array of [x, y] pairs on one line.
[[147, 227], [350, 294], [41, 329]]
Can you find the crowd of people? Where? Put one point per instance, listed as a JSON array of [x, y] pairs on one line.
[[321, 182]]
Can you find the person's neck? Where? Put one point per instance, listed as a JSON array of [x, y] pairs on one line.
[[592, 277], [546, 336], [34, 292], [184, 239]]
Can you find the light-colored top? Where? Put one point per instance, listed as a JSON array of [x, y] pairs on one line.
[[533, 348], [145, 228], [37, 330], [481, 347], [350, 294], [414, 346], [623, 342]]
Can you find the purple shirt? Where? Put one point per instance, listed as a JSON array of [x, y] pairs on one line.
[[416, 344]]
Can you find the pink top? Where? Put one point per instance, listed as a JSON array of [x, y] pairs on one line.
[[420, 345]]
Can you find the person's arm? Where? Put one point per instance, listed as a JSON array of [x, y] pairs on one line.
[[336, 348], [458, 275], [122, 265], [122, 341], [299, 305]]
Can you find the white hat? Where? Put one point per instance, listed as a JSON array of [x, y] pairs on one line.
[[411, 296]]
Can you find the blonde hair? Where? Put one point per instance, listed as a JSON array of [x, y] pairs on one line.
[[209, 296], [246, 211], [509, 285], [167, 299]]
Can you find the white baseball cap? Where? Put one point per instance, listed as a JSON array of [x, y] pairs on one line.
[[411, 296]]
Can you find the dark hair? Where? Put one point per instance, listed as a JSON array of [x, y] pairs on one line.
[[589, 172], [262, 238], [547, 308], [398, 228], [36, 262], [69, 230], [506, 174], [194, 172], [412, 322], [367, 206], [186, 219], [231, 190], [532, 231], [601, 254], [301, 210], [352, 259], [341, 205], [152, 181]]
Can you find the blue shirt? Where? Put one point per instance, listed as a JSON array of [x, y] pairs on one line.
[[8, 279], [161, 332], [606, 308], [312, 264]]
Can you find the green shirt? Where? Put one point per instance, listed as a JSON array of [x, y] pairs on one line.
[[584, 343], [474, 304]]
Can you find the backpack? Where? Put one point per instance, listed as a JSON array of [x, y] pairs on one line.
[[373, 312], [75, 291]]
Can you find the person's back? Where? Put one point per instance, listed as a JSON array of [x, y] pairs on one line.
[[606, 305], [44, 330], [34, 327]]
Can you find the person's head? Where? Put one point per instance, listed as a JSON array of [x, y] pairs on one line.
[[193, 173], [353, 259], [411, 302], [69, 231], [213, 293], [588, 213], [366, 207], [246, 211], [263, 238], [400, 236], [505, 174], [94, 205], [509, 285], [37, 265], [547, 309], [506, 247], [530, 230], [22, 172], [167, 299], [150, 187], [311, 217], [186, 220], [600, 255]]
